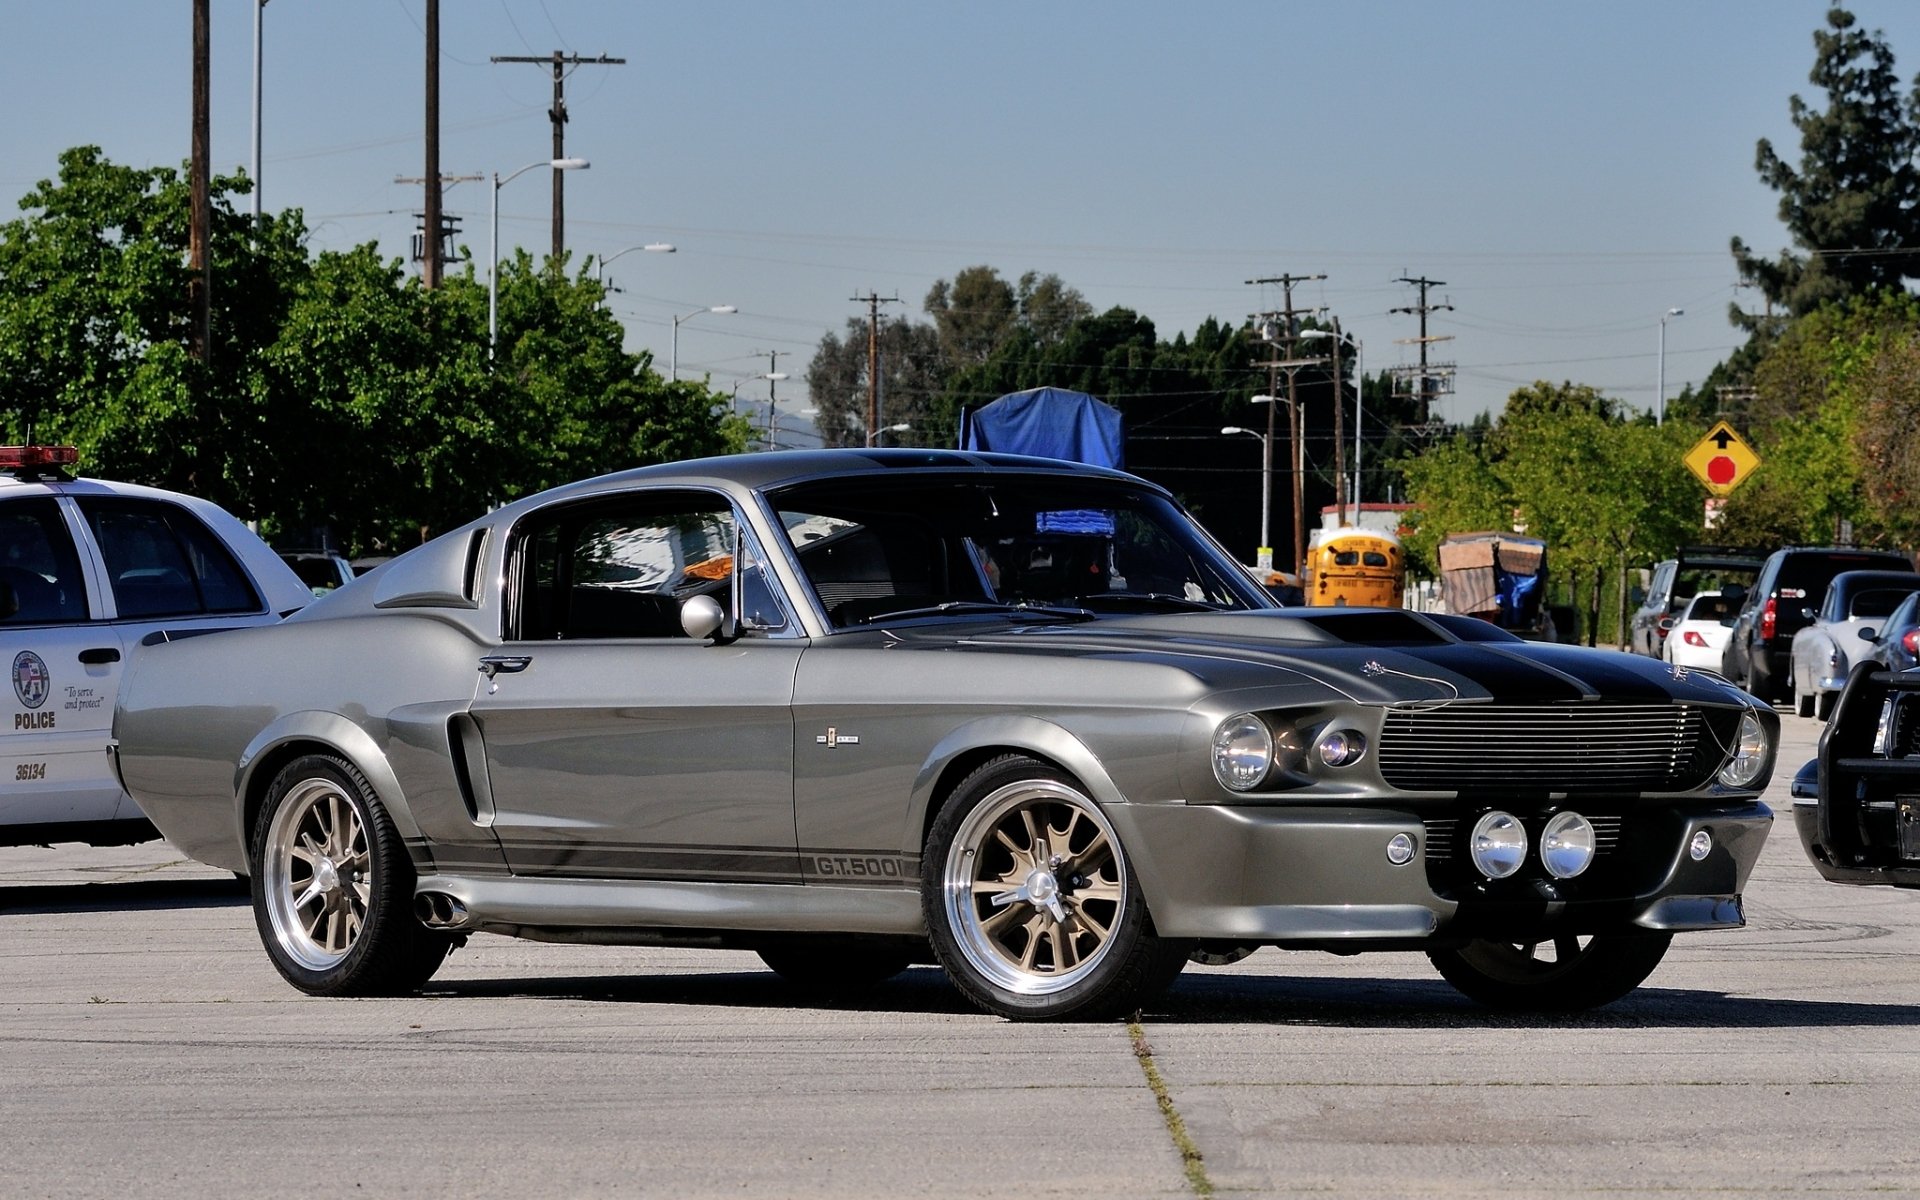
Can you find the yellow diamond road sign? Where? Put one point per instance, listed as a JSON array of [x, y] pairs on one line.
[[1722, 460]]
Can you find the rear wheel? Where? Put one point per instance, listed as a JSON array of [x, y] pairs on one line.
[[1030, 901], [1802, 703], [1568, 974], [1823, 707], [333, 886]]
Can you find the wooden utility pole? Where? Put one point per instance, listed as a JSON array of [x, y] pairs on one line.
[[430, 223], [1339, 437], [773, 404], [1430, 374], [200, 215], [558, 114], [873, 301], [1281, 327]]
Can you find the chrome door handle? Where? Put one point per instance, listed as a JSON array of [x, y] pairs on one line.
[[504, 664]]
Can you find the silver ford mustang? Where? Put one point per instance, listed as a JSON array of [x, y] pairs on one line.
[[855, 710]]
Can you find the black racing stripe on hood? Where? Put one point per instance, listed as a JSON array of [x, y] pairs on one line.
[[1538, 672], [1507, 677]]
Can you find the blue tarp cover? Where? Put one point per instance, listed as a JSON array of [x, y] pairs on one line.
[[1048, 423]]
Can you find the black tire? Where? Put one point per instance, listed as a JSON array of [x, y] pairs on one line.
[[1823, 706], [836, 965], [1802, 703], [1578, 975], [333, 886], [1018, 957]]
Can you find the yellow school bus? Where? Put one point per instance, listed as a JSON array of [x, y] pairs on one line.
[[1350, 567]]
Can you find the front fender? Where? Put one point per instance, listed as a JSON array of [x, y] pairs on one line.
[[1042, 738], [264, 755]]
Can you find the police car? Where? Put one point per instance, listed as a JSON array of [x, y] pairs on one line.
[[87, 570]]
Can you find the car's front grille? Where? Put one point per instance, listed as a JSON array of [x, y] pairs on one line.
[[1549, 747]]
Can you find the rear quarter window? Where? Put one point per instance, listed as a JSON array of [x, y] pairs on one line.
[[163, 562]]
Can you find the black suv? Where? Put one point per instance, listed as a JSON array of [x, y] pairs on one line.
[[1783, 601]]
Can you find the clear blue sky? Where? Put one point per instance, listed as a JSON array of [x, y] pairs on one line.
[[1572, 171]]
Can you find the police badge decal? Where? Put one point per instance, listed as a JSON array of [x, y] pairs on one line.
[[31, 680]]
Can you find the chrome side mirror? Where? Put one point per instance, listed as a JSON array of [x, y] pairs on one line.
[[701, 617]]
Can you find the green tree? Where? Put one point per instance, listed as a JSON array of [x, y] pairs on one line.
[[1852, 205], [1566, 464], [912, 378], [93, 324], [338, 394], [1825, 423], [974, 314]]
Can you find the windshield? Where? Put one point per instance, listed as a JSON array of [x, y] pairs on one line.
[[884, 548]]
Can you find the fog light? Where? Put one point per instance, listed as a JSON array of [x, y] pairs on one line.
[[1400, 849], [1700, 846], [1341, 747], [1499, 845], [1567, 845]]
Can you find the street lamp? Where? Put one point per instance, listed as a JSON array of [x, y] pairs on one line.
[[259, 12], [674, 369], [1660, 397], [1263, 556], [1298, 455], [493, 251], [854, 418], [600, 264]]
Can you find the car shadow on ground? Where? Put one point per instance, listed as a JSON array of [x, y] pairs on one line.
[[1218, 998], [143, 895]]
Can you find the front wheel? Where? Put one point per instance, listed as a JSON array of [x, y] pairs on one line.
[[333, 886], [1033, 910], [1568, 974]]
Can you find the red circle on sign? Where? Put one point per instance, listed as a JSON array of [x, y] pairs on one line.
[[1722, 469]]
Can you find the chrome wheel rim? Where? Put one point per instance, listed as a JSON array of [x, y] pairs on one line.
[[317, 874], [1035, 887]]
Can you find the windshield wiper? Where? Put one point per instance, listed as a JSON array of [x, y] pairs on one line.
[[1054, 612], [1161, 600]]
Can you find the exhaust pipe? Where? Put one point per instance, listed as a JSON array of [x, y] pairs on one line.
[[437, 910]]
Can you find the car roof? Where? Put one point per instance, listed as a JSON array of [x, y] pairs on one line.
[[1853, 581], [772, 470]]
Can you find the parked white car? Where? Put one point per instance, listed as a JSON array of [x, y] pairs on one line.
[[1856, 607], [89, 569], [1700, 635]]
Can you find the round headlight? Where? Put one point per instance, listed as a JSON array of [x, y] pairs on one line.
[[1341, 747], [1751, 754], [1242, 752], [1498, 845], [1567, 845]]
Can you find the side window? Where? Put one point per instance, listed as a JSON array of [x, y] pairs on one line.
[[38, 565], [162, 562], [621, 568]]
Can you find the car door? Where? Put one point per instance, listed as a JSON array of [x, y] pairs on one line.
[[63, 664], [161, 568], [615, 746]]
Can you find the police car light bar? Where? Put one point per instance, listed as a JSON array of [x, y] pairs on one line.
[[38, 456]]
